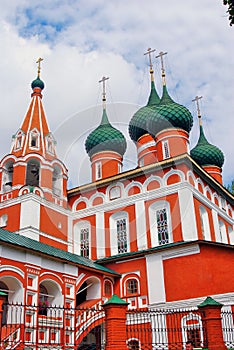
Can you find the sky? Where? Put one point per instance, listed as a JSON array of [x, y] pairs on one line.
[[82, 41]]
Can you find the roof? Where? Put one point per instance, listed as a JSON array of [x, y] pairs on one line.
[[164, 247], [17, 240]]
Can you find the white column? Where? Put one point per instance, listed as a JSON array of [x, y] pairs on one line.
[[187, 214], [155, 273], [216, 226], [100, 235], [140, 225]]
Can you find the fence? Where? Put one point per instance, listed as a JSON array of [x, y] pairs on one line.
[[165, 329], [32, 327]]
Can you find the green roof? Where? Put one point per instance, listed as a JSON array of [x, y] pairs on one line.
[[40, 248], [105, 138], [38, 83], [210, 302], [169, 114], [115, 300], [206, 154], [138, 125]]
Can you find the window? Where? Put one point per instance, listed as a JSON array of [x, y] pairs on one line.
[[98, 169], [133, 344], [115, 192], [205, 227], [50, 143], [192, 329], [7, 176], [165, 149], [107, 288], [119, 168], [132, 286], [43, 300], [57, 181], [84, 242], [121, 235], [34, 139], [19, 140], [33, 173], [3, 220], [222, 232], [162, 226]]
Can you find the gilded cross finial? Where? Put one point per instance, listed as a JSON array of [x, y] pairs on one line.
[[149, 52], [39, 66], [103, 81], [196, 99], [161, 54]]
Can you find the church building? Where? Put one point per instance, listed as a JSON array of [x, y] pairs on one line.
[[157, 236]]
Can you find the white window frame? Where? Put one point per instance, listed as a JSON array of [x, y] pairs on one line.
[[205, 225], [50, 144], [153, 221], [222, 232], [113, 231], [166, 149], [77, 236], [19, 137], [98, 170]]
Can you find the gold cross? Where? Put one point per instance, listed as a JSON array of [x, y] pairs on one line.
[[197, 104], [161, 54], [103, 81], [39, 66], [149, 51]]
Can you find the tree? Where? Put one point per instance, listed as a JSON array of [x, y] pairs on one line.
[[230, 11], [230, 187]]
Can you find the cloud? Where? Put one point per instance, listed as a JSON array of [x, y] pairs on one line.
[[81, 41]]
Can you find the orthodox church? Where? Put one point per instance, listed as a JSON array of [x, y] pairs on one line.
[[159, 235]]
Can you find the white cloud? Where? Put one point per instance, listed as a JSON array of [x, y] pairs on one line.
[[81, 41]]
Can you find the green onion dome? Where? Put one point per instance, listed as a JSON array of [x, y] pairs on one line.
[[206, 154], [105, 138], [169, 114], [138, 125], [38, 83]]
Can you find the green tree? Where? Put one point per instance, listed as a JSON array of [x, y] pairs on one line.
[[230, 10], [230, 187]]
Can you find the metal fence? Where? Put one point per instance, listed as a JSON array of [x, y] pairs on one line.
[[35, 327], [165, 329], [228, 328]]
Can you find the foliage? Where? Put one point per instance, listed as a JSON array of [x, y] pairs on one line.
[[230, 187], [230, 11]]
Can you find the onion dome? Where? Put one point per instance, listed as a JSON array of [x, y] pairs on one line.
[[169, 114], [138, 125], [38, 83], [206, 154], [105, 138]]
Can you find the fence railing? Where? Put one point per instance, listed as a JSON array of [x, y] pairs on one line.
[[228, 328], [165, 329]]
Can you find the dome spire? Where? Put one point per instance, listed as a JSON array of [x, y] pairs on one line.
[[39, 66], [161, 54]]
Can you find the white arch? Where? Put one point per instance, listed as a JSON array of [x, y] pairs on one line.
[[133, 184], [173, 172], [186, 326], [151, 179], [54, 291], [199, 181], [94, 291], [15, 287], [79, 200], [117, 184], [154, 207], [191, 174], [97, 195], [121, 215], [207, 190], [214, 195]]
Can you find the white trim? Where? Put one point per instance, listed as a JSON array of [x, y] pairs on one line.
[[113, 231], [187, 214], [145, 146], [153, 208]]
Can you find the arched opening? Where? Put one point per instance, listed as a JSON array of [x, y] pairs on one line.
[[4, 297], [57, 181], [81, 294], [89, 293], [7, 176], [33, 173], [43, 300]]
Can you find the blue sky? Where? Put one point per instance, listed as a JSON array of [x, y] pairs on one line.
[[81, 41]]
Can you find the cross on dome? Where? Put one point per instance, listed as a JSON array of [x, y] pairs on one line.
[[103, 81], [39, 66], [161, 54], [149, 52], [196, 100]]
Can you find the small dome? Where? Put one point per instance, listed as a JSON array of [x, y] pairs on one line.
[[169, 114], [206, 154], [105, 138], [38, 83], [138, 125]]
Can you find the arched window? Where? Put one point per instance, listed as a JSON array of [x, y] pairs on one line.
[[107, 289], [119, 233], [3, 220], [57, 181], [132, 286], [222, 232], [33, 173], [43, 300], [192, 329], [133, 344], [160, 223], [205, 227], [19, 138], [165, 149], [7, 176], [98, 170], [82, 231], [34, 140]]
